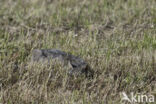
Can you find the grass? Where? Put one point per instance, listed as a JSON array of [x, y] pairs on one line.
[[116, 38]]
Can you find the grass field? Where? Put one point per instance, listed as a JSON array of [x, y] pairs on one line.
[[116, 37]]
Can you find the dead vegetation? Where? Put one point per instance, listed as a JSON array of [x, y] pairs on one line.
[[117, 39]]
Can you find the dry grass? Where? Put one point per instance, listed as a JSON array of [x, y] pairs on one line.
[[116, 37]]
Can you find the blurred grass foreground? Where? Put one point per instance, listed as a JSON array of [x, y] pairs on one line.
[[117, 38]]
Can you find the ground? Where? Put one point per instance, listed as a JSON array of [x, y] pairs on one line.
[[117, 38]]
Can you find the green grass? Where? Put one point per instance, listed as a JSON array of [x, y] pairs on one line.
[[116, 37]]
